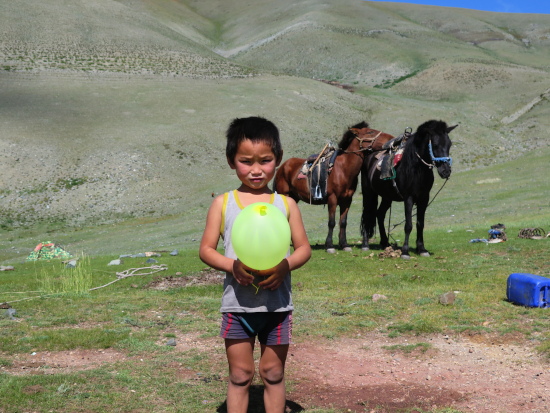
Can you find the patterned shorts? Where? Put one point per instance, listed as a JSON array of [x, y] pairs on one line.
[[271, 328]]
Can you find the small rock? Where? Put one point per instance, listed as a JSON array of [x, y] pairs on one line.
[[6, 268], [171, 342], [10, 313], [71, 264], [174, 253], [447, 298], [151, 261], [378, 297], [115, 262]]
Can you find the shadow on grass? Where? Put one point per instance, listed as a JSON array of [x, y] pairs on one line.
[[256, 403]]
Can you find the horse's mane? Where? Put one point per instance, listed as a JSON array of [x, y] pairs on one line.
[[432, 127], [349, 136]]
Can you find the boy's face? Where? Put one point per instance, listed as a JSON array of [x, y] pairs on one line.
[[254, 164]]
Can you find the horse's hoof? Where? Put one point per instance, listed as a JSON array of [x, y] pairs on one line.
[[331, 250], [424, 254], [347, 249], [405, 257]]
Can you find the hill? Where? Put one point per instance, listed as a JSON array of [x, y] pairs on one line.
[[113, 110]]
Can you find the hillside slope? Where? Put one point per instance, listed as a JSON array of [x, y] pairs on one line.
[[117, 109]]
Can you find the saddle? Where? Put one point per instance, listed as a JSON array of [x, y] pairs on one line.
[[316, 169], [391, 154]]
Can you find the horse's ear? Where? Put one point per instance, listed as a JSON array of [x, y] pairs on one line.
[[355, 131], [450, 128]]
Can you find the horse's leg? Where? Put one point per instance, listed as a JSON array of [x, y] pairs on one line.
[[380, 217], [368, 217], [331, 224], [421, 207], [342, 239], [408, 227]]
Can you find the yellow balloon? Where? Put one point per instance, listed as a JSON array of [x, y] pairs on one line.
[[260, 236]]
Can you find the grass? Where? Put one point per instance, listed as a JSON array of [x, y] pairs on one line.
[[333, 297], [67, 279]]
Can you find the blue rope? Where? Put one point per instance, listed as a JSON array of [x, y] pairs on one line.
[[446, 159]]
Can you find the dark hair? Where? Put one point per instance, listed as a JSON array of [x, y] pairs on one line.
[[257, 130]]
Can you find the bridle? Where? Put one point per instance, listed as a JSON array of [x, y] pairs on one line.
[[362, 140], [441, 159]]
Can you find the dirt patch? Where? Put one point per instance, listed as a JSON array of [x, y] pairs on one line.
[[360, 375], [55, 362], [207, 276]]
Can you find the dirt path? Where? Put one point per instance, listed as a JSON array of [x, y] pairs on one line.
[[469, 374]]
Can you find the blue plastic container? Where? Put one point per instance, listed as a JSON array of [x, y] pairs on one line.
[[529, 290]]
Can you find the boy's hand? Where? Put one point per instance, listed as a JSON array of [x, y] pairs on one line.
[[240, 273], [278, 274]]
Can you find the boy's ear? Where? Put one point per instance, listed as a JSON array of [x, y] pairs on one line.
[[231, 163]]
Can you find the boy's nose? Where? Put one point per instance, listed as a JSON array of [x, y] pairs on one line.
[[256, 169]]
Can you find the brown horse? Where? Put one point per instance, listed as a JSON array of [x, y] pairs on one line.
[[356, 142]]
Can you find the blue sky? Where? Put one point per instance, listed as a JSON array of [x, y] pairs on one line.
[[505, 6]]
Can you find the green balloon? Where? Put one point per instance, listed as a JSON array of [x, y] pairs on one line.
[[261, 236]]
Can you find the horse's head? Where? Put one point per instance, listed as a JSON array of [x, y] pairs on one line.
[[369, 139], [439, 146]]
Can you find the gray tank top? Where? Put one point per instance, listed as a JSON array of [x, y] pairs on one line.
[[240, 299]]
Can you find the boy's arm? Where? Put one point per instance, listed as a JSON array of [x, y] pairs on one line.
[[209, 243], [301, 253], [208, 252]]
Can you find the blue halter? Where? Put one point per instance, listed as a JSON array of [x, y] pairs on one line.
[[445, 159]]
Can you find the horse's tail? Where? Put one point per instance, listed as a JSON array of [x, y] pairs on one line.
[[368, 217]]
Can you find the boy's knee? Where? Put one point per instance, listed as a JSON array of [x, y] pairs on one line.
[[241, 377], [272, 375]]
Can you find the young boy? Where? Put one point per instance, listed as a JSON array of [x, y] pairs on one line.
[[254, 151]]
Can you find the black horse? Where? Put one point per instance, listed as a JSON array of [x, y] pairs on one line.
[[413, 179]]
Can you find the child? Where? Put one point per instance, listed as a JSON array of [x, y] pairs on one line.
[[264, 309]]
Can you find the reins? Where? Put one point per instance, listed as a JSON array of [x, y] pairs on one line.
[[429, 203], [445, 159]]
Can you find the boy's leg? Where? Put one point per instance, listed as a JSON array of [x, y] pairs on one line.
[[240, 356], [272, 372]]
